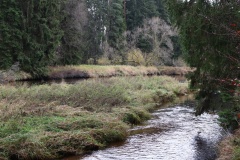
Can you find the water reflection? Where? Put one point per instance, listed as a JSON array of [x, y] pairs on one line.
[[173, 134]]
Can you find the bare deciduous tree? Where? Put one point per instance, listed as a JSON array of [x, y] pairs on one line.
[[159, 34]]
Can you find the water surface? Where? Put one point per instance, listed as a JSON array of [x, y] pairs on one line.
[[174, 133]]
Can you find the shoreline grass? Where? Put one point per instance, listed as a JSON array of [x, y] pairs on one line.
[[53, 121], [95, 71]]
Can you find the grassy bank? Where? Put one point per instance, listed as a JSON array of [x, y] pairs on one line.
[[51, 121], [94, 71], [229, 148]]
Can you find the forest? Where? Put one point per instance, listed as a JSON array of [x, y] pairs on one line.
[[58, 120], [36, 34]]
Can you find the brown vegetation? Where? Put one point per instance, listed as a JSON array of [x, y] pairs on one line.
[[229, 148], [168, 70], [93, 71]]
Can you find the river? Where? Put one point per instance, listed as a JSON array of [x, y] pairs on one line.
[[174, 133]]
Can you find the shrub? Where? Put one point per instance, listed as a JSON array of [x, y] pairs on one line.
[[135, 57]]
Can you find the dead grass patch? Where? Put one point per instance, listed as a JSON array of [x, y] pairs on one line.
[[229, 148], [93, 71]]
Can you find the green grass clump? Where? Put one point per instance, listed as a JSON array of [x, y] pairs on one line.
[[54, 136], [237, 153], [51, 121]]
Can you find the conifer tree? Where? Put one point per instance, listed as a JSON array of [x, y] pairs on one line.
[[30, 33], [42, 34], [98, 12], [10, 33], [138, 10], [117, 24], [74, 43], [210, 41]]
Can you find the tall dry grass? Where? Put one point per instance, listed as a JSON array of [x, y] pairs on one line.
[[93, 71]]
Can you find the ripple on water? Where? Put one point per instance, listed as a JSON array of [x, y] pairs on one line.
[[174, 133]]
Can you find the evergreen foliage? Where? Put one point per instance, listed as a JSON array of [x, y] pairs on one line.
[[161, 10], [98, 12], [116, 27], [10, 33], [30, 32], [145, 44], [138, 10], [62, 32], [74, 43], [116, 24], [209, 33]]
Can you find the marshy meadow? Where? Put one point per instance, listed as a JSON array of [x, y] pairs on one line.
[[55, 120]]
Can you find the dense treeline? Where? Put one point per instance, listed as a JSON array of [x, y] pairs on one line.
[[40, 33], [29, 33], [210, 36]]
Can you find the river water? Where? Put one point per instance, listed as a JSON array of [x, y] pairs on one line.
[[174, 133]]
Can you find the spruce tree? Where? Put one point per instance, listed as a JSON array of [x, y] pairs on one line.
[[10, 33], [42, 34], [138, 10], [161, 10], [117, 24], [30, 33], [98, 12], [210, 42], [74, 43]]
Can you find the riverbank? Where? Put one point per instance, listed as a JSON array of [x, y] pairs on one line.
[[95, 71], [53, 121], [229, 148]]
